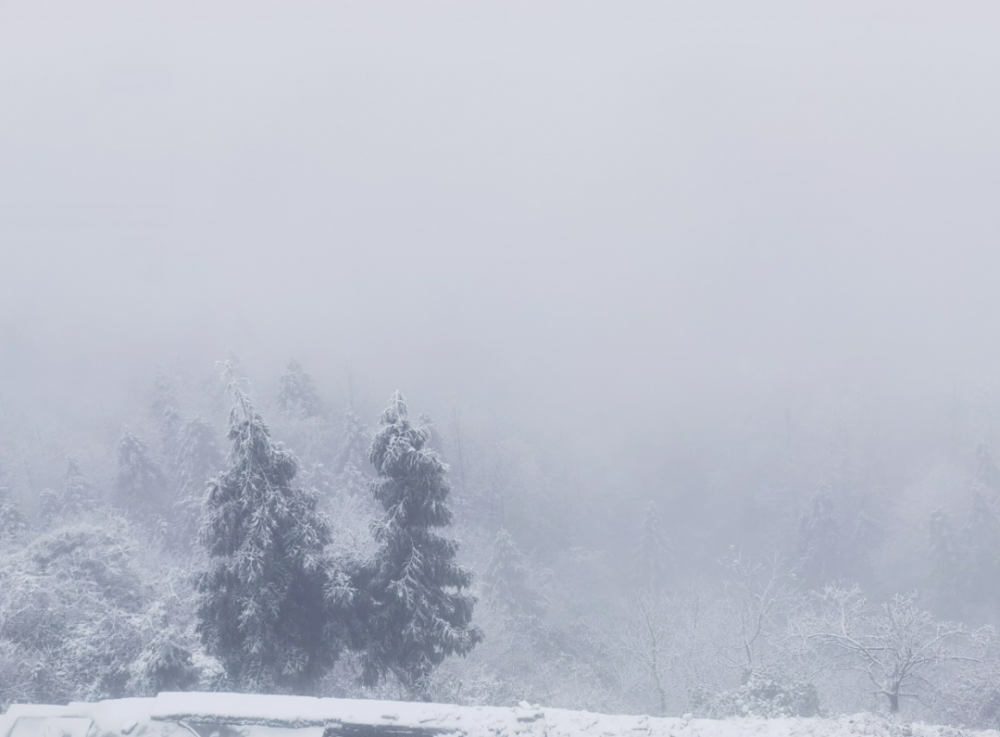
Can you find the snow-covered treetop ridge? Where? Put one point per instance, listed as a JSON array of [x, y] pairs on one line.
[[179, 714]]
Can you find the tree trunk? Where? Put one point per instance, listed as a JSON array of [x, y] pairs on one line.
[[893, 703], [659, 684]]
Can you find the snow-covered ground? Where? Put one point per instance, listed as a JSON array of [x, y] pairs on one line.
[[244, 715]]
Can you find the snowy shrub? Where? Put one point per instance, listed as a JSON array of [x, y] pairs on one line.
[[211, 673], [82, 621], [760, 695], [16, 675], [163, 665], [971, 696]]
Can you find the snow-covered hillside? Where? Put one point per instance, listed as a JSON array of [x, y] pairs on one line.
[[245, 715]]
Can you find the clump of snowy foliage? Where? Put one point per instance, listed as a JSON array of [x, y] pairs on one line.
[[760, 695], [80, 622]]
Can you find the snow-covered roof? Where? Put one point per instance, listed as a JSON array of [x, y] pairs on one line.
[[253, 715]]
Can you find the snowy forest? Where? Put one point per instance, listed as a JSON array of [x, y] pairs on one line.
[[222, 537], [635, 357]]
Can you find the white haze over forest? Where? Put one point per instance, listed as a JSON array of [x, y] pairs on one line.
[[741, 261]]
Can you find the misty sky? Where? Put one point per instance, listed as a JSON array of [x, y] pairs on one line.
[[585, 212]]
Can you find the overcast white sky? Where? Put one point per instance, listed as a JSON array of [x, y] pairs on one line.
[[622, 207]]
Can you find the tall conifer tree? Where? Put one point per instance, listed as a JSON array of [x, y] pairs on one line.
[[74, 498], [265, 606], [139, 482], [982, 542], [820, 540], [12, 521], [508, 579], [297, 395], [947, 575], [412, 594], [651, 551], [352, 456], [198, 460]]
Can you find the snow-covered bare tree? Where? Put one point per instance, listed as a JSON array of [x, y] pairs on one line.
[[757, 599], [269, 605], [739, 654], [640, 634], [900, 648], [411, 593]]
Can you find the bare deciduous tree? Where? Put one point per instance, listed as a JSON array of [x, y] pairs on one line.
[[758, 598], [641, 635], [899, 647]]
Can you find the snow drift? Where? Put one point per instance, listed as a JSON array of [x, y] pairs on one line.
[[247, 715]]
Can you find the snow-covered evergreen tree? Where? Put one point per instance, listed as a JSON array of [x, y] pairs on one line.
[[508, 580], [171, 426], [77, 491], [947, 563], [411, 593], [265, 609], [198, 456], [651, 552], [899, 648], [74, 498], [198, 459], [987, 470], [165, 413], [819, 540], [297, 395], [982, 542], [352, 456], [140, 484], [12, 521]]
